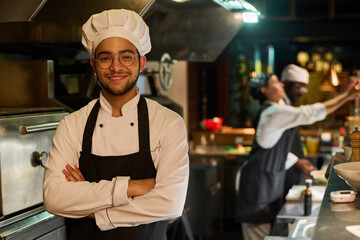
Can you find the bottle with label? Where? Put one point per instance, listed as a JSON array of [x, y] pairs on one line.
[[307, 198]]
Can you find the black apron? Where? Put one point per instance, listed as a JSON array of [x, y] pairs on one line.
[[293, 175], [95, 168], [262, 180]]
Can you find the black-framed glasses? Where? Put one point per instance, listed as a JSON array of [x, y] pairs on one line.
[[105, 60]]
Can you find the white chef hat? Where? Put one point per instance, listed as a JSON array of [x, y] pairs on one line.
[[116, 23], [294, 73]]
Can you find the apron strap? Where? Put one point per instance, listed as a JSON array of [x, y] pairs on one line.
[[143, 121], [89, 128]]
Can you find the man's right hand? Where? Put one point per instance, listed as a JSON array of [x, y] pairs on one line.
[[305, 166], [140, 187]]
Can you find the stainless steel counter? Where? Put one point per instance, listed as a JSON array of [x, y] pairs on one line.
[[333, 218], [293, 210], [292, 215]]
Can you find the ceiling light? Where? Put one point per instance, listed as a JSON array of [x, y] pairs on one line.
[[236, 5], [180, 1], [250, 17], [249, 12]]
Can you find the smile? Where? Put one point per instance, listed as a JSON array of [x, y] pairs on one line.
[[117, 78]]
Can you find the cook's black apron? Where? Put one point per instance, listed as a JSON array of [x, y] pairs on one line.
[[95, 168], [293, 174], [262, 180]]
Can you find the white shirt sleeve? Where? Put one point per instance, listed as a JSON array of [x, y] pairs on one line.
[[290, 160], [277, 118]]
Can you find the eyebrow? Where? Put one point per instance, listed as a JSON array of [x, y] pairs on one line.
[[106, 52]]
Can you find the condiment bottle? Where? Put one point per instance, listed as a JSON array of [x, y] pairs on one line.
[[307, 198], [355, 144]]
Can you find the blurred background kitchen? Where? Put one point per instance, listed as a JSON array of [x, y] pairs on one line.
[[203, 53]]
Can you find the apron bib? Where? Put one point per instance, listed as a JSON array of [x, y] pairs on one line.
[[95, 168]]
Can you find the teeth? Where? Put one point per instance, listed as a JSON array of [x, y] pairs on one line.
[[117, 77]]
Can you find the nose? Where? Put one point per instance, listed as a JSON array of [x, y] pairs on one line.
[[116, 65]]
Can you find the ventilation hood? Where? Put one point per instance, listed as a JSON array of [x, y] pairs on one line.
[[20, 10], [57, 21], [198, 30]]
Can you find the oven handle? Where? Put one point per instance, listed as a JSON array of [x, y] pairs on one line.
[[37, 128]]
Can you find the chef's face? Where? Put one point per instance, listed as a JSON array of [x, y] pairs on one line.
[[119, 78], [274, 91], [294, 90]]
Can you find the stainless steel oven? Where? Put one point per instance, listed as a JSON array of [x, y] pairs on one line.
[[25, 139]]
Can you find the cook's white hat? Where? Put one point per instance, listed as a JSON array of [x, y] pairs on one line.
[[116, 23], [294, 73]]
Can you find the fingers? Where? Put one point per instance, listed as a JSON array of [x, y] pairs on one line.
[[68, 176], [73, 174], [77, 170]]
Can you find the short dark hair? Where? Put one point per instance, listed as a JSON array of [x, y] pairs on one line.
[[256, 83]]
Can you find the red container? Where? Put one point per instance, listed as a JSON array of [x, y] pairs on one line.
[[213, 124]]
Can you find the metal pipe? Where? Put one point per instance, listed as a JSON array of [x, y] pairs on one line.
[[37, 128]]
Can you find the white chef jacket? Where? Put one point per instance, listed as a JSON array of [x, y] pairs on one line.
[[119, 136], [279, 117]]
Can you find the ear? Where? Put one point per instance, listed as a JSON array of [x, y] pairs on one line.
[[263, 90], [92, 63], [142, 63]]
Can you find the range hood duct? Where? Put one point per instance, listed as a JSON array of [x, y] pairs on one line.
[[20, 10], [191, 34], [57, 22]]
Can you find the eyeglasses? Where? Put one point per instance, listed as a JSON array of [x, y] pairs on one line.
[[300, 87], [303, 90], [106, 60]]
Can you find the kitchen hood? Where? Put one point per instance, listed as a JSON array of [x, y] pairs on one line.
[[198, 30], [57, 21], [196, 33], [20, 10]]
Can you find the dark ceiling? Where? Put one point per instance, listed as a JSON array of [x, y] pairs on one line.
[[190, 30], [306, 25], [306, 21]]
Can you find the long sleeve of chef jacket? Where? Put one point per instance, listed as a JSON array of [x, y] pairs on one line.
[[279, 117], [118, 136]]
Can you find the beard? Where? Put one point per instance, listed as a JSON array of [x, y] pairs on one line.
[[294, 98], [119, 92]]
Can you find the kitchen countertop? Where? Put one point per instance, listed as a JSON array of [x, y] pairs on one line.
[[218, 151], [293, 210], [333, 218]]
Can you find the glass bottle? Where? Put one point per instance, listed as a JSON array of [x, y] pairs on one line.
[[307, 198]]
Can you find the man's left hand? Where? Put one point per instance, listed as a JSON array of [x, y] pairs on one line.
[[73, 174]]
